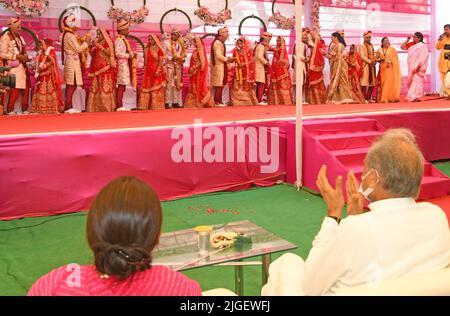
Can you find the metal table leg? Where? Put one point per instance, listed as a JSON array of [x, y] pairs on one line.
[[265, 268], [239, 280]]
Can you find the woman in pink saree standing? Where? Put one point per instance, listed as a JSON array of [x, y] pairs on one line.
[[418, 56]]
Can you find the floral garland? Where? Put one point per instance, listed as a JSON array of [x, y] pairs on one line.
[[135, 16], [282, 22], [212, 19], [289, 23], [26, 8], [315, 14]]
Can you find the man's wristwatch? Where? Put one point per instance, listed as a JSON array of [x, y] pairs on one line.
[[338, 220]]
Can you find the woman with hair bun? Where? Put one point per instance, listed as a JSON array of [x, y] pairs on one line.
[[123, 227]]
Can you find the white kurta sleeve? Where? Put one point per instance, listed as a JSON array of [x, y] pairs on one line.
[[5, 53], [73, 42], [121, 49], [325, 263]]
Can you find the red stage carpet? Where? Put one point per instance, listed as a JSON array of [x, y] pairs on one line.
[[169, 118], [443, 203]]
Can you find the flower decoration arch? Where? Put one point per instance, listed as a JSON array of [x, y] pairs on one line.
[[186, 36], [29, 31], [210, 18], [286, 23], [61, 16], [280, 20], [138, 40], [26, 8], [161, 22], [251, 17], [136, 16]]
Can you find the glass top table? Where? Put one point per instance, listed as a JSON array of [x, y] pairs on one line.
[[179, 250]]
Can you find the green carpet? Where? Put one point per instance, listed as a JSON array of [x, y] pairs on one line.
[[29, 252], [444, 166]]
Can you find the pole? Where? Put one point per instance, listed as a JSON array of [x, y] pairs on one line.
[[299, 50]]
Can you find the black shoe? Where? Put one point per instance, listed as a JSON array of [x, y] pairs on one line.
[[176, 106], [168, 106]]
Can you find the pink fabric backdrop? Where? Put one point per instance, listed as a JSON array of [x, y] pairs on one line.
[[430, 128], [50, 174]]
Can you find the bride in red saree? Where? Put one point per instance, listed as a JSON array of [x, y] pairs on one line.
[[280, 88], [102, 93], [154, 80], [199, 94], [317, 91], [47, 97], [355, 72], [242, 90]]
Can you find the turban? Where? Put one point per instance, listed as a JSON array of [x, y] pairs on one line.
[[14, 22], [123, 25]]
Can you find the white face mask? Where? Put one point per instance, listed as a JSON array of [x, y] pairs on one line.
[[369, 190], [72, 23]]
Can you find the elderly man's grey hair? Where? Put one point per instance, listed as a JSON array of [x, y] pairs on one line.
[[399, 162]]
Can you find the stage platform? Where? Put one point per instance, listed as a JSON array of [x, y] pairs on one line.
[[52, 164], [31, 124]]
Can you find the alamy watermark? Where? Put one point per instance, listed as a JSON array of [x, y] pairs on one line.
[[229, 144]]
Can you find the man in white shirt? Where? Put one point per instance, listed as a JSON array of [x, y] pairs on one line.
[[396, 237], [261, 65], [126, 61], [175, 58]]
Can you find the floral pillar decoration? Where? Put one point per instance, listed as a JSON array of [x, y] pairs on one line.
[[315, 14]]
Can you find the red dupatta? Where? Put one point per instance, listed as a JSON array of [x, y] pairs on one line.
[[280, 65], [356, 64], [317, 62], [56, 78], [50, 54], [202, 93], [153, 66], [246, 58], [101, 62]]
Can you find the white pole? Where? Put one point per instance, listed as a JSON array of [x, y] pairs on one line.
[[299, 50]]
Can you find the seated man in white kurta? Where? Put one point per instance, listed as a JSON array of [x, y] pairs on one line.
[[397, 237]]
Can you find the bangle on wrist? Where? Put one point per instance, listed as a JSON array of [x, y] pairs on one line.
[[338, 220]]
